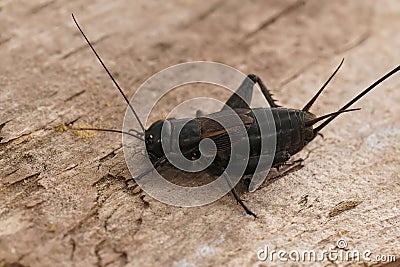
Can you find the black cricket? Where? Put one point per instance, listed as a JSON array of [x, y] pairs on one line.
[[294, 128]]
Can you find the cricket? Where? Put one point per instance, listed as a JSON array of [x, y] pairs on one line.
[[295, 128]]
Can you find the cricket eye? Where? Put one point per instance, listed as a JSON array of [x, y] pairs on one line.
[[149, 139]]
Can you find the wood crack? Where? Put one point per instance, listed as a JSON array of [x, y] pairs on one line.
[[274, 18], [82, 47], [40, 7], [74, 95], [211, 10], [25, 179], [355, 43], [5, 40]]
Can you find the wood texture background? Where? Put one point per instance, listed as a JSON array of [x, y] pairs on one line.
[[63, 200]]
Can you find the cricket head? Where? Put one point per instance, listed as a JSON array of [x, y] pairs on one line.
[[153, 137]]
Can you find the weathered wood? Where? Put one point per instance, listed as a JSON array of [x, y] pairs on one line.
[[63, 200]]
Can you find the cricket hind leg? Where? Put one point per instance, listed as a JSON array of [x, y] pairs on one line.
[[287, 168], [258, 167], [281, 172], [267, 94], [284, 165], [243, 95]]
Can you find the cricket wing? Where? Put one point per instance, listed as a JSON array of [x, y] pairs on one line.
[[230, 131]]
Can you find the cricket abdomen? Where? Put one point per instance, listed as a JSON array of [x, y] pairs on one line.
[[291, 132]]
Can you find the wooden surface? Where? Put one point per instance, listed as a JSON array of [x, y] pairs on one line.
[[63, 200]]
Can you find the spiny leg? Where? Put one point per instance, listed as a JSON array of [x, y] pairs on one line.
[[291, 167], [243, 95], [235, 194], [280, 159], [267, 94], [257, 178]]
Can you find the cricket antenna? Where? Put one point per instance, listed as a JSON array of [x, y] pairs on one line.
[[108, 130], [109, 74], [311, 102], [355, 99]]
